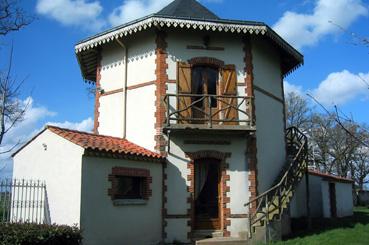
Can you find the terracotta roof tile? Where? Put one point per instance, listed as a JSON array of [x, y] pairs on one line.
[[103, 143], [330, 176]]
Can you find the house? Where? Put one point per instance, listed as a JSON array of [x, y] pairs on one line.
[[189, 139]]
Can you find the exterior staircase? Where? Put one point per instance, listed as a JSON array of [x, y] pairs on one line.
[[266, 210]]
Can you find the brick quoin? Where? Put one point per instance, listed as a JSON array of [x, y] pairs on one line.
[[161, 80], [97, 97], [251, 142]]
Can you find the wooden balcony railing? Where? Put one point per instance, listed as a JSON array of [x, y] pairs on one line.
[[196, 111]]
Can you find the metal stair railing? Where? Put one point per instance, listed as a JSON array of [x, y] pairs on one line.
[[270, 205]]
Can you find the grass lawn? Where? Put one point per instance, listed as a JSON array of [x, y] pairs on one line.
[[352, 230]]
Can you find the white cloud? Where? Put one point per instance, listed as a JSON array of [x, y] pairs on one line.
[[341, 87], [289, 87], [133, 9], [84, 125], [307, 29], [79, 13]]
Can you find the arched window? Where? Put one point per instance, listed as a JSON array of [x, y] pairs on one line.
[[206, 88]]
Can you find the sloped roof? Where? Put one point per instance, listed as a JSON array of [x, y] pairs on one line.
[[187, 9], [101, 143], [330, 176]]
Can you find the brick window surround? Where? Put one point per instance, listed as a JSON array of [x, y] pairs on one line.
[[225, 189], [118, 172]]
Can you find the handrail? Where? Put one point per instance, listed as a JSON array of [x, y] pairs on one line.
[[219, 114], [298, 164]]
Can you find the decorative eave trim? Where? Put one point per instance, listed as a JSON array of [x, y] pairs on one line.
[[85, 49], [169, 22]]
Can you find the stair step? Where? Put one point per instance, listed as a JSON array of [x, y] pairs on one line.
[[222, 241]]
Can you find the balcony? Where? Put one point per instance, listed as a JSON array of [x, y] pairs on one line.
[[208, 112]]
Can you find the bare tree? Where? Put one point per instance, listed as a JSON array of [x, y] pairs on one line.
[[12, 109], [361, 168], [12, 17], [298, 111]]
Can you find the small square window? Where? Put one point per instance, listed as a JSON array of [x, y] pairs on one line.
[[129, 187]]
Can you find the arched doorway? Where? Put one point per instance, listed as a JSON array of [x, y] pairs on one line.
[[207, 194]]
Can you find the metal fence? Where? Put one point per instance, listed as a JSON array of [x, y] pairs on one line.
[[24, 201]]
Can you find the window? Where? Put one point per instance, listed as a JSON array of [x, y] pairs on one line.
[[129, 187], [203, 79], [130, 184]]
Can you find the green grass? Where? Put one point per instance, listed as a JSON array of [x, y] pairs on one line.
[[351, 230]]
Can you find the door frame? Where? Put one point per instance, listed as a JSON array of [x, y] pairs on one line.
[[224, 212], [214, 163]]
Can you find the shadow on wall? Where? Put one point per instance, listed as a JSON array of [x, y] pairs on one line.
[[320, 225]]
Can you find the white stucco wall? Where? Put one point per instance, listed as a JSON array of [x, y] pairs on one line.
[[325, 200], [140, 101], [320, 205], [177, 50], [344, 199], [271, 154], [177, 183], [111, 119], [141, 58], [298, 202], [104, 223], [60, 167], [141, 116]]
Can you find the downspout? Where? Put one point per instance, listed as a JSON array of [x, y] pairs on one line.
[[124, 88]]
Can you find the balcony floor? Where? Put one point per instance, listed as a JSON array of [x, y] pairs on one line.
[[206, 127]]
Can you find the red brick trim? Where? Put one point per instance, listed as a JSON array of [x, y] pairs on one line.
[[131, 172], [161, 79], [251, 142], [140, 85], [97, 97], [115, 91], [225, 188], [206, 61]]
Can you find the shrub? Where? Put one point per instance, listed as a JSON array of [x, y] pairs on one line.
[[30, 234]]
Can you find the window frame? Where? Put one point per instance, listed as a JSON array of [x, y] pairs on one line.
[[145, 181]]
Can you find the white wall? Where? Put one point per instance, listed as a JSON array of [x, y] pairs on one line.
[[298, 201], [141, 101], [344, 199], [177, 50], [112, 78], [141, 116], [60, 166], [104, 223], [320, 205], [271, 154], [325, 200]]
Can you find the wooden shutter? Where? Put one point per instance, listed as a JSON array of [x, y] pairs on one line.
[[184, 87], [228, 86]]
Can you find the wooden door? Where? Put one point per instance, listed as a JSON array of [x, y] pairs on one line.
[[207, 198], [184, 87], [228, 87]]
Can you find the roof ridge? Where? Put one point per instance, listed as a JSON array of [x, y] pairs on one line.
[[48, 126]]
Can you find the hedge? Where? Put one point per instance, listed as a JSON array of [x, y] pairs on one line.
[[29, 234]]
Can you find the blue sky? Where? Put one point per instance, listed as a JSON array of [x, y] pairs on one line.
[[44, 53]]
